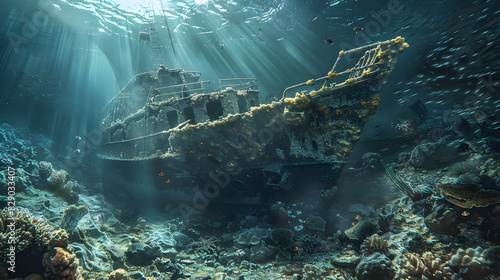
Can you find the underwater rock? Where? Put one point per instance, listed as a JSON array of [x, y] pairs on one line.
[[469, 195], [119, 274], [141, 254], [250, 237], [375, 267], [262, 254], [361, 230], [90, 257], [491, 225], [313, 272], [237, 257], [436, 155], [181, 239], [361, 209], [219, 276], [442, 219], [72, 215], [164, 239], [33, 277]]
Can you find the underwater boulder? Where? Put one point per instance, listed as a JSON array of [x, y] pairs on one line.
[[141, 254], [375, 267]]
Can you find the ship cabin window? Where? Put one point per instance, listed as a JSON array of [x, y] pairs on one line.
[[252, 103], [172, 118], [189, 115], [242, 104], [214, 110]]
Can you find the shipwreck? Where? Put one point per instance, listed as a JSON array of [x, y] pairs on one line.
[[169, 137]]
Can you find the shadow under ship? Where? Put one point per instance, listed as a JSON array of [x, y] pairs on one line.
[[170, 140]]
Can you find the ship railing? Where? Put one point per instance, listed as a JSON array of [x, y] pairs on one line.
[[368, 63], [238, 83], [178, 91]]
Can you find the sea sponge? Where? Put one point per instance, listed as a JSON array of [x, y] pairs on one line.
[[61, 265], [45, 169], [374, 244], [59, 239], [57, 179]]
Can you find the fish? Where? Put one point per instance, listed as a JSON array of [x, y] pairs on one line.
[[260, 31], [419, 108], [357, 217], [221, 46], [168, 181], [328, 41], [78, 138], [358, 29], [161, 174], [465, 213], [99, 219]]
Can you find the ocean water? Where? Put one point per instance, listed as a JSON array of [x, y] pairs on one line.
[[249, 139]]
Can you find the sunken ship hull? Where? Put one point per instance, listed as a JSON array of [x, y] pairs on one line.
[[187, 139]]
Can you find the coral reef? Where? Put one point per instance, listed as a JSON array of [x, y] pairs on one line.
[[32, 234], [361, 230], [250, 237], [374, 244], [375, 267], [62, 265], [316, 223], [204, 245], [415, 267], [470, 195]]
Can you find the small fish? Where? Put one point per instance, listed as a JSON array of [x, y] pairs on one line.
[[221, 46], [99, 219], [328, 41], [465, 213], [77, 151], [78, 138], [358, 29], [161, 174], [260, 31], [352, 224], [357, 217], [168, 181]]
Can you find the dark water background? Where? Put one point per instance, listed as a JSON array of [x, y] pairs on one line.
[[61, 61]]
